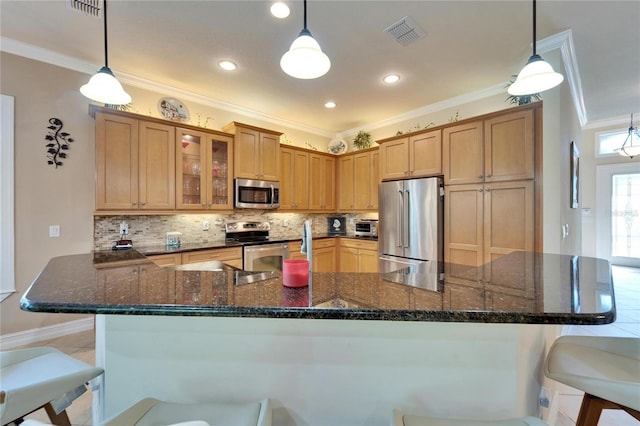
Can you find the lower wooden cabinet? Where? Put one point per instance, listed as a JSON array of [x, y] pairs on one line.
[[358, 256], [324, 254], [163, 260], [486, 222], [231, 256]]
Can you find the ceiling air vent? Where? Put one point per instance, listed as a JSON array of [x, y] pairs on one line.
[[88, 7], [404, 31]]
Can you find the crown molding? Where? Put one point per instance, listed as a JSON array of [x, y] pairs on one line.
[[564, 42], [431, 108], [621, 120]]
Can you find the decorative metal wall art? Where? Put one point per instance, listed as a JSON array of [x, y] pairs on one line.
[[57, 142]]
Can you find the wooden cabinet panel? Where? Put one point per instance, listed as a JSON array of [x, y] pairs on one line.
[[256, 151], [346, 173], [394, 159], [157, 166], [269, 156], [135, 164], [463, 224], [463, 153], [324, 259], [508, 218], [221, 254], [425, 154], [358, 255], [359, 176], [322, 182], [116, 162], [294, 179], [171, 259], [509, 147], [413, 156]]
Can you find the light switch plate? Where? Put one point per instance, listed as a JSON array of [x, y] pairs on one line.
[[54, 231]]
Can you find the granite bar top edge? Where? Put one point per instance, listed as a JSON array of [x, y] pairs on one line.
[[484, 317]]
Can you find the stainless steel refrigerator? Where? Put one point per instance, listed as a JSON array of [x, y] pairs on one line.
[[411, 235]]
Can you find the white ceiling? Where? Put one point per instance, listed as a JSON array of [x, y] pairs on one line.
[[468, 46]]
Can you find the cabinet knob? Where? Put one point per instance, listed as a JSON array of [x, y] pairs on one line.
[[487, 189], [480, 176], [134, 204], [142, 203], [488, 176], [479, 189]]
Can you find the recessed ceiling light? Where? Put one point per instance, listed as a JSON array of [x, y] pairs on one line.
[[227, 65], [330, 105], [391, 78], [279, 10]]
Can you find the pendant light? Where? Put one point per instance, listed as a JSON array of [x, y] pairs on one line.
[[628, 148], [305, 59], [103, 86], [537, 75]]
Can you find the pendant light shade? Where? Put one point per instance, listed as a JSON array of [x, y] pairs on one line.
[[537, 75], [305, 59], [629, 148], [103, 86]]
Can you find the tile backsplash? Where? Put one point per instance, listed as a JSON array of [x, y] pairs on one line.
[[151, 230]]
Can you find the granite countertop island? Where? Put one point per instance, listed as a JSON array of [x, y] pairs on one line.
[[521, 287], [344, 350]]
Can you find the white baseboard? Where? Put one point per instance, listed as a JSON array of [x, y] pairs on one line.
[[9, 341]]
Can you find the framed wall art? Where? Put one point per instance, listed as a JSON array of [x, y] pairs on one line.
[[574, 201]]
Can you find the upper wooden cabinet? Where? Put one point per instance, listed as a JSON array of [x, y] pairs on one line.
[[204, 170], [358, 179], [256, 151], [294, 179], [411, 156], [322, 182], [135, 163], [499, 148]]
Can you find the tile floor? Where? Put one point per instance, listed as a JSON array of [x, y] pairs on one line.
[[627, 294]]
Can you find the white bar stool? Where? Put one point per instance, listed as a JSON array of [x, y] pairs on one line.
[[401, 419], [42, 377], [151, 411], [607, 369]]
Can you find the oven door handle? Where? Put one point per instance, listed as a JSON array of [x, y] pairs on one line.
[[265, 247]]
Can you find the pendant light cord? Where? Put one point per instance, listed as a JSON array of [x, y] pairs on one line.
[[534, 27], [104, 13], [305, 14]]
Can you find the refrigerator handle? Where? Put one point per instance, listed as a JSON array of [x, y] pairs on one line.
[[399, 224], [407, 219]]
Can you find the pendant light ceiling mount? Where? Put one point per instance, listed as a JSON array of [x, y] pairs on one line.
[[305, 59], [628, 148], [537, 75], [103, 86]]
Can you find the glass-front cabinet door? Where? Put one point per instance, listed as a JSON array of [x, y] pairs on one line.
[[203, 176]]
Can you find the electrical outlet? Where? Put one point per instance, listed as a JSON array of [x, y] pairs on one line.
[[205, 225], [54, 231], [285, 223], [124, 228]]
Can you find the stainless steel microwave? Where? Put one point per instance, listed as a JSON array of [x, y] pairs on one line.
[[256, 194]]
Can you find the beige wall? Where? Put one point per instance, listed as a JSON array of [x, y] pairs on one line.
[[45, 195]]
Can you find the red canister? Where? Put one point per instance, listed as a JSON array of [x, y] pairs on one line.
[[295, 273]]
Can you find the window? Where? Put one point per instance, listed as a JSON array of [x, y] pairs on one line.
[[607, 142], [7, 274]]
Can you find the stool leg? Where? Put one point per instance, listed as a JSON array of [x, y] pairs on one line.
[[58, 419]]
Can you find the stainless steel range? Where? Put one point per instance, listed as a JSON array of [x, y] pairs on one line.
[[259, 254]]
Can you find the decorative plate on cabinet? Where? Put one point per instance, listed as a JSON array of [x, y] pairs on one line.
[[338, 147], [173, 109]]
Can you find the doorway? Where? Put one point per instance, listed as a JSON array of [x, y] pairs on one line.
[[618, 213]]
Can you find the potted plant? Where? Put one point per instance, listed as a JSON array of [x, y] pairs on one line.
[[362, 140]]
